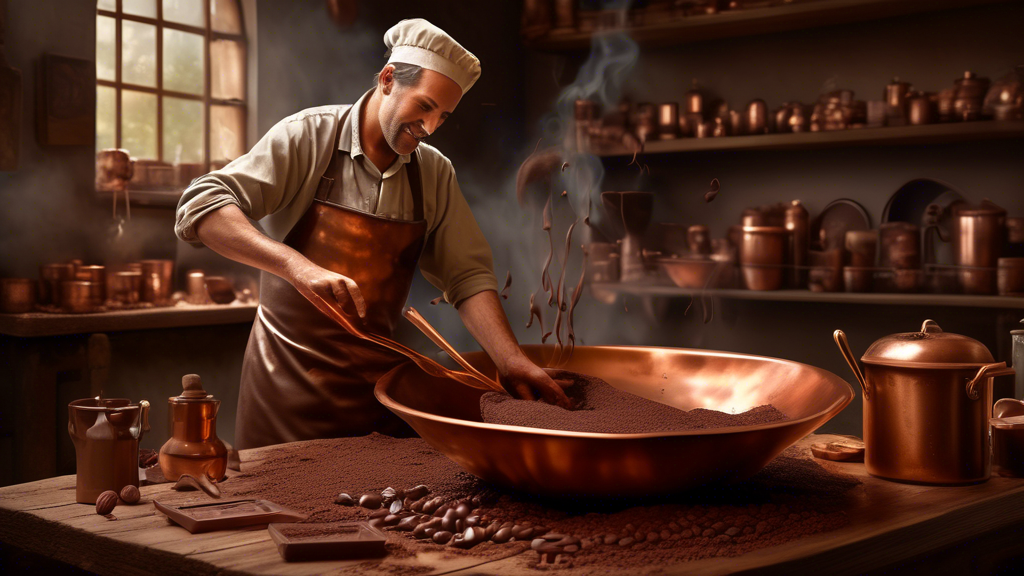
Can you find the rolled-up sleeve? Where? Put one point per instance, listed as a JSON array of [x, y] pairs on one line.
[[456, 258], [263, 181]]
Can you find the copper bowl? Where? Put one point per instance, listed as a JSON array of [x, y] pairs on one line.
[[17, 295], [447, 415], [691, 272], [220, 289]]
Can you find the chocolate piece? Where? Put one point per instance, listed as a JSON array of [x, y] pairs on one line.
[[230, 515], [462, 510], [848, 450], [344, 500], [370, 501], [442, 537], [332, 541], [417, 492]]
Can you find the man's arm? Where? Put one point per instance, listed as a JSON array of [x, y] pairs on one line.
[[228, 232], [486, 321]]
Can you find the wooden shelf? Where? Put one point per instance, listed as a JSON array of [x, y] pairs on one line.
[[36, 324], [754, 21], [961, 300], [886, 136]]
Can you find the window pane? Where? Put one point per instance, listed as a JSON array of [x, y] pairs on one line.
[[138, 124], [107, 5], [183, 131], [183, 61], [106, 38], [138, 53], [185, 12], [106, 116], [227, 134], [225, 17], [227, 74], [139, 7]]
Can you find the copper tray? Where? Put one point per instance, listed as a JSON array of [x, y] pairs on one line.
[[447, 415]]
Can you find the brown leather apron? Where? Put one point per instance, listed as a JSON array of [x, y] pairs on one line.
[[304, 376]]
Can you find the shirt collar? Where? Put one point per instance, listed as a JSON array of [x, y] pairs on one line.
[[348, 139]]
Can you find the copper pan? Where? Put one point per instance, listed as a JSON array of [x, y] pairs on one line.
[[447, 415]]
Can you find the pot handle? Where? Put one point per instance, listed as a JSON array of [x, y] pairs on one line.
[[844, 347], [987, 371], [144, 418]]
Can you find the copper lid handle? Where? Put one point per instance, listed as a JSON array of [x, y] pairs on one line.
[[930, 327], [987, 371], [844, 347], [144, 417]]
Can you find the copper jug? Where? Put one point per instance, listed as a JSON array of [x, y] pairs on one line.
[[106, 435], [194, 447]]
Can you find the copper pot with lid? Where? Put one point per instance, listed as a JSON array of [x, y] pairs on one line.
[[927, 403]]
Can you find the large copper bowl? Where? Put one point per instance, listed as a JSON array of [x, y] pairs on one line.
[[447, 415]]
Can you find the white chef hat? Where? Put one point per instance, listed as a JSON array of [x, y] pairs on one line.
[[419, 42]]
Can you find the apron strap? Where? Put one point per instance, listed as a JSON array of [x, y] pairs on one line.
[[412, 172]]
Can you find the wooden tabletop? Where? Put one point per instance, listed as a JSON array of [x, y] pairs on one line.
[[944, 529]]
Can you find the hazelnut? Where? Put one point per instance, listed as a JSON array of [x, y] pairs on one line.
[[106, 502], [130, 494]]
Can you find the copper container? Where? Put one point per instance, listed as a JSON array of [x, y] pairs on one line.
[[195, 287], [927, 403], [17, 295], [668, 120], [1008, 436], [79, 296], [977, 243], [220, 289], [762, 257], [125, 287], [50, 277], [896, 93], [106, 435], [798, 242], [538, 461], [826, 270], [920, 110], [157, 290], [970, 96], [698, 239], [96, 275], [755, 119], [607, 270], [858, 279], [693, 102], [194, 447], [862, 246], [693, 271], [900, 245], [1010, 276], [645, 121]]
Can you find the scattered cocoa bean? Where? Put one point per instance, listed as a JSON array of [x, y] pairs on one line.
[[344, 500], [370, 501], [130, 494], [106, 502], [442, 537]]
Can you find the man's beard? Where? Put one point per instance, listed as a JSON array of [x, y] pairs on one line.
[[393, 135]]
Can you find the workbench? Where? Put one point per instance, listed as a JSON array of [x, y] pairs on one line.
[[937, 529]]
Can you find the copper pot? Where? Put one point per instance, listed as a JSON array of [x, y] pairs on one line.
[[762, 257], [977, 243], [927, 402], [80, 296], [920, 110], [900, 245], [668, 120], [125, 287], [1011, 276], [970, 96], [96, 275], [157, 278], [50, 277], [17, 295]]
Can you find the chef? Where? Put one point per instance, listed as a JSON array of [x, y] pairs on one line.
[[350, 200]]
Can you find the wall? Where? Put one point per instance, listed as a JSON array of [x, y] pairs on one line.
[[928, 50]]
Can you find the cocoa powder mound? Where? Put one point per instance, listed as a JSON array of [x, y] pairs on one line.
[[790, 498], [602, 408]]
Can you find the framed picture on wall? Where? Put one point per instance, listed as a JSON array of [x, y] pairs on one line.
[[65, 101]]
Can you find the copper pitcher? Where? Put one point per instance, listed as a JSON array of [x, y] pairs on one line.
[[106, 435], [927, 403]]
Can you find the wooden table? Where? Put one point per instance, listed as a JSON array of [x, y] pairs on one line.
[[962, 530]]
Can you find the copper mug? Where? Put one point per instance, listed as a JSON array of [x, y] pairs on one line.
[[106, 435]]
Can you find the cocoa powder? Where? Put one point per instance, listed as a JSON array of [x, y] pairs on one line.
[[790, 498], [602, 408]]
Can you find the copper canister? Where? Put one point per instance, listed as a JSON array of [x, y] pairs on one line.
[[896, 99], [920, 110], [17, 295], [927, 403], [157, 277], [977, 242], [862, 246], [79, 296], [900, 245], [195, 287], [763, 256], [125, 287], [798, 241], [50, 277], [98, 276], [668, 120]]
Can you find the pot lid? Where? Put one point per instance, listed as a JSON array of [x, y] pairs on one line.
[[931, 347], [192, 390]]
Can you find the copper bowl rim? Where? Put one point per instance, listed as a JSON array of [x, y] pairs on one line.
[[837, 406]]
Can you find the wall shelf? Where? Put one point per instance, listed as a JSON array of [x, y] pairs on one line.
[[884, 136], [955, 300], [37, 324], [754, 21]]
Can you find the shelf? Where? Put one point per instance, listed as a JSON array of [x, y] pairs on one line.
[[754, 21], [36, 324], [966, 301], [886, 136]]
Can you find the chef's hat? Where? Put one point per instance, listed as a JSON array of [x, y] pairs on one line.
[[419, 42]]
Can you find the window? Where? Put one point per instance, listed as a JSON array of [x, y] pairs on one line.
[[171, 86]]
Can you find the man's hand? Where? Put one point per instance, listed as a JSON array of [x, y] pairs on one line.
[[525, 379], [308, 279]]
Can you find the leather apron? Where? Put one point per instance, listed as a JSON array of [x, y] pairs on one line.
[[304, 376]]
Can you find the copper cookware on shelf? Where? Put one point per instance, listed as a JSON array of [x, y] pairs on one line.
[[447, 415], [1008, 437], [106, 435], [1010, 276], [927, 402], [977, 242], [17, 295], [763, 256]]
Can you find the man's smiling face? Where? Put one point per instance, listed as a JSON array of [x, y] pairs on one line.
[[410, 113]]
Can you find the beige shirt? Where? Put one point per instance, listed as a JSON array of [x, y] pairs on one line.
[[276, 181]]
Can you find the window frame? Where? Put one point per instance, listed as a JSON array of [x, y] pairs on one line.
[[209, 35]]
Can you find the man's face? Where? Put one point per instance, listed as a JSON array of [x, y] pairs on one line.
[[408, 114]]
